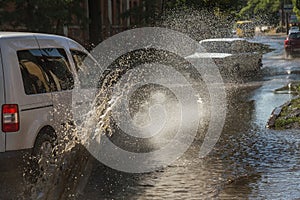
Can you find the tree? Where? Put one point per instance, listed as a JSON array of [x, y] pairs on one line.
[[223, 6], [150, 10], [144, 13], [262, 10], [95, 25], [43, 15], [296, 4]]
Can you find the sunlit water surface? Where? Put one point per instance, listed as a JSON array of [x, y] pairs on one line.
[[248, 162]]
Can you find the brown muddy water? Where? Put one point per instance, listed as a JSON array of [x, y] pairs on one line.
[[248, 162]]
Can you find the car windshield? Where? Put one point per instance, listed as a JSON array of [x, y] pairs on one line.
[[294, 28], [295, 35]]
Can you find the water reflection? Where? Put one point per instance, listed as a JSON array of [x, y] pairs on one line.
[[190, 177]]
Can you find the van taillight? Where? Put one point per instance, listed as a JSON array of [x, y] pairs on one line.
[[10, 118]]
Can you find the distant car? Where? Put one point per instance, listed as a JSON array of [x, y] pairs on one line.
[[293, 29], [265, 28], [233, 56], [292, 43], [245, 28]]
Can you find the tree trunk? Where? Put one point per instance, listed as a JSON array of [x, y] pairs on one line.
[[95, 26]]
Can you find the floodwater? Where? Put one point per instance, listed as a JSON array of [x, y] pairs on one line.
[[248, 162]]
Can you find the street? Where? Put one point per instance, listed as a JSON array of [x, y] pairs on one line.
[[248, 162]]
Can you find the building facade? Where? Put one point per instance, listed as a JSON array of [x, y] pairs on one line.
[[109, 17], [104, 19]]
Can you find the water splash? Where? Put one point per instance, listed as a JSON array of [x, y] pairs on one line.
[[95, 121]]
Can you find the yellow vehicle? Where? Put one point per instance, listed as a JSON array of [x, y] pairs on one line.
[[245, 28]]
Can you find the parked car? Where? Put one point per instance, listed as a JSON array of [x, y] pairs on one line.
[[264, 29], [292, 43], [37, 74], [293, 29], [235, 57], [245, 28]]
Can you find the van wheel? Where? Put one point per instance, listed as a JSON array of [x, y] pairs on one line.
[[42, 159], [43, 151]]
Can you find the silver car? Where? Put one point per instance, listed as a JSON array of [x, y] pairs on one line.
[[235, 57]]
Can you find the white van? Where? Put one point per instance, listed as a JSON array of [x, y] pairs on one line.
[[37, 74]]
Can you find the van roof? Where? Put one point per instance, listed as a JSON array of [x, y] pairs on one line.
[[4, 34]]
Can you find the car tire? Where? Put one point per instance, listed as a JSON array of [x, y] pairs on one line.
[[44, 146]]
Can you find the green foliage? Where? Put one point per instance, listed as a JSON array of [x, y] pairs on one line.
[[265, 11], [43, 15], [222, 5], [175, 4], [296, 4], [147, 12], [281, 123], [153, 12], [289, 116]]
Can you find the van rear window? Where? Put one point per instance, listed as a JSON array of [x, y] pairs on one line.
[[45, 70]]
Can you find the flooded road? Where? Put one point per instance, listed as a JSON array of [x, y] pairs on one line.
[[248, 162]]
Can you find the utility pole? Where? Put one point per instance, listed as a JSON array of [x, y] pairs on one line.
[[95, 26]]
